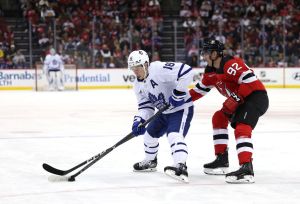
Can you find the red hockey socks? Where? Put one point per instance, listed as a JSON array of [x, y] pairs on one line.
[[220, 132], [244, 144]]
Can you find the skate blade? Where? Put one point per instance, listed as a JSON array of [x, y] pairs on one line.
[[245, 180], [146, 170], [181, 178], [217, 171]]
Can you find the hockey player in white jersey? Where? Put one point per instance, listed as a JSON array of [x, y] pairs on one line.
[[156, 85], [54, 70]]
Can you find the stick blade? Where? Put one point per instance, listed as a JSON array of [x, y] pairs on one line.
[[53, 170], [54, 178]]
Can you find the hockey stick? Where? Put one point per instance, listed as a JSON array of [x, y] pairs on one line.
[[95, 158]]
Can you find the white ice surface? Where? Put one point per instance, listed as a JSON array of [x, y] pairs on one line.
[[66, 128]]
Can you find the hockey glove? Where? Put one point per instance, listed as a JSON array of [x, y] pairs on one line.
[[231, 104], [137, 128], [177, 98], [195, 96]]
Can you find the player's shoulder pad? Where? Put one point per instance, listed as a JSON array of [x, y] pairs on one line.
[[154, 63], [47, 57]]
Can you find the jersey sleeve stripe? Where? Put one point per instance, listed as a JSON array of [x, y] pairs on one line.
[[180, 74], [180, 70], [202, 89], [247, 77]]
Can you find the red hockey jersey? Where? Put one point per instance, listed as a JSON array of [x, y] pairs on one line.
[[233, 76]]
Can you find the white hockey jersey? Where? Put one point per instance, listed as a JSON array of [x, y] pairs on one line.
[[53, 63], [155, 90]]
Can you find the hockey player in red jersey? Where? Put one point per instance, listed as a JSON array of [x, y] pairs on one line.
[[246, 101]]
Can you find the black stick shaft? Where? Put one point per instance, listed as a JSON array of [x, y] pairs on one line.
[[97, 157], [125, 139]]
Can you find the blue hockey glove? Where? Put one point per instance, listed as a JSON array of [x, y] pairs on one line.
[[137, 129], [177, 98]]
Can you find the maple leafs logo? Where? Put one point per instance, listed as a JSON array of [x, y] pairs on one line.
[[157, 101]]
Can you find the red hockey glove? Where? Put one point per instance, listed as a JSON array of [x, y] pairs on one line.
[[195, 96], [231, 104]]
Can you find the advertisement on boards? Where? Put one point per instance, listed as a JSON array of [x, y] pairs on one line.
[[123, 78]]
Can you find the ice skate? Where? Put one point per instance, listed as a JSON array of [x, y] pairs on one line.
[[61, 88], [179, 172], [51, 88], [145, 166], [219, 166], [244, 175]]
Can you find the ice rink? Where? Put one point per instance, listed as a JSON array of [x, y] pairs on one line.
[[65, 128]]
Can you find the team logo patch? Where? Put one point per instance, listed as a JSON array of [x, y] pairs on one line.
[[158, 101]]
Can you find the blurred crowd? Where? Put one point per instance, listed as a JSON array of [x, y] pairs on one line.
[[10, 57], [96, 32], [101, 33], [264, 32]]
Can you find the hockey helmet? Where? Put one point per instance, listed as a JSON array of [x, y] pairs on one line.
[[211, 44], [52, 51], [136, 58]]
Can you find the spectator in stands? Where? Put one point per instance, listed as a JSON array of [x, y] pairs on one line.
[[66, 58], [70, 46], [192, 57], [74, 21], [214, 18], [124, 40], [81, 46], [155, 57], [44, 41], [8, 35], [136, 39], [43, 4], [2, 58], [185, 11], [47, 13], [146, 43], [119, 58], [157, 41], [275, 49], [11, 52], [262, 23], [19, 60], [189, 23], [106, 56]]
